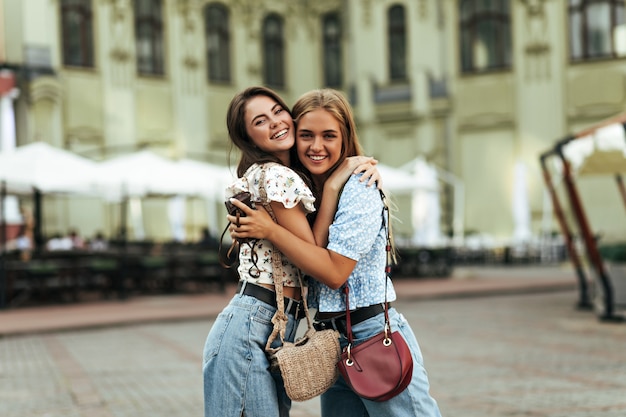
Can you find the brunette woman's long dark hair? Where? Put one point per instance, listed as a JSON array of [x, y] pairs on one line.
[[250, 154]]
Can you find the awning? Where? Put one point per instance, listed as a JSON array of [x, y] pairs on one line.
[[602, 152]]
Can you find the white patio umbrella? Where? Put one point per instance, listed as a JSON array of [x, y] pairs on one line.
[[396, 180], [207, 180], [49, 169], [134, 176], [46, 169], [139, 174], [210, 181], [425, 210], [145, 173]]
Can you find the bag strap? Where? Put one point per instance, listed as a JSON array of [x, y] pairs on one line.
[[279, 319], [388, 250], [234, 246]]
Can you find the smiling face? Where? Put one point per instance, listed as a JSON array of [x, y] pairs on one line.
[[319, 142], [269, 126]]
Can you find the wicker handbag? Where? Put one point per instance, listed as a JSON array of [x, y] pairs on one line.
[[308, 366]]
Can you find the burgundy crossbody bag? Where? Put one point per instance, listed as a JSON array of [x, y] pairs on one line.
[[381, 367]]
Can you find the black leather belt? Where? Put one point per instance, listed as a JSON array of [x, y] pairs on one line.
[[356, 316], [293, 307]]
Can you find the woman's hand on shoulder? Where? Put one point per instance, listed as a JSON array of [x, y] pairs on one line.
[[366, 165]]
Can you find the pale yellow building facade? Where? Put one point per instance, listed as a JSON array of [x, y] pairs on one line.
[[474, 118]]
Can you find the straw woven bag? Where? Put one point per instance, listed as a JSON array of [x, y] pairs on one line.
[[308, 366]]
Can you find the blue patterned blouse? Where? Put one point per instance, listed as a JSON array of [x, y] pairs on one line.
[[357, 233]]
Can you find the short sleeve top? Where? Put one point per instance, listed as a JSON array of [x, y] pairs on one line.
[[282, 185], [358, 232]]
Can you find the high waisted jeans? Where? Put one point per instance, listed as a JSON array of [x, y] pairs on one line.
[[415, 401], [237, 379]]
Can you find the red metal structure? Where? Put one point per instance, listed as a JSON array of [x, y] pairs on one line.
[[600, 159]]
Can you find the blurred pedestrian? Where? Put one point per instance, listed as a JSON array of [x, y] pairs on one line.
[[58, 242], [77, 241], [208, 240], [98, 243]]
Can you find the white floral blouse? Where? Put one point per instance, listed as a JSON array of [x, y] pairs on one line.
[[281, 185]]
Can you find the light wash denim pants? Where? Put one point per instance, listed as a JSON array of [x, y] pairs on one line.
[[414, 401], [237, 379]]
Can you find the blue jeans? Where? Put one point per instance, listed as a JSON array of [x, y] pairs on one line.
[[237, 379], [415, 400]]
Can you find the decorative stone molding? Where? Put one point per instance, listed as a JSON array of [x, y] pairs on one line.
[[120, 25], [537, 48], [422, 9], [120, 29], [189, 11], [82, 135], [191, 63], [319, 7], [254, 69], [596, 93], [45, 88], [250, 11], [189, 7], [498, 111], [120, 55], [487, 121], [366, 9], [190, 15], [311, 13]]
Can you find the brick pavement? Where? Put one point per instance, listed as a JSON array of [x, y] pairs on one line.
[[514, 351], [498, 356]]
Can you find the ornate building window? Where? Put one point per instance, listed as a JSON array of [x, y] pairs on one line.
[[273, 52], [597, 29], [396, 32], [77, 33], [333, 63], [149, 37], [485, 35], [217, 34]]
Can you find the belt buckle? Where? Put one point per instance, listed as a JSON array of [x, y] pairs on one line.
[[334, 324]]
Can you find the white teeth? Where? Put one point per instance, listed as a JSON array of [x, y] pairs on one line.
[[280, 134], [316, 157]]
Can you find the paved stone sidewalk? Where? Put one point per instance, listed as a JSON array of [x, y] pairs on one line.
[[497, 343], [497, 356]]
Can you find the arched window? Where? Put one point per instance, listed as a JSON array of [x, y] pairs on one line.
[[597, 29], [217, 34], [396, 32], [333, 62], [77, 33], [149, 37], [485, 35], [273, 52]]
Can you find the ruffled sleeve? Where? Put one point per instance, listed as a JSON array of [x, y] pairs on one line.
[[282, 185]]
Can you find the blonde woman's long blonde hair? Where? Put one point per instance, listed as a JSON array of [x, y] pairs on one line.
[[336, 104]]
